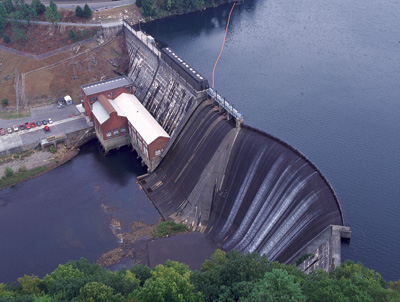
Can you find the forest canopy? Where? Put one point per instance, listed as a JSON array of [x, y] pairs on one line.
[[225, 277]]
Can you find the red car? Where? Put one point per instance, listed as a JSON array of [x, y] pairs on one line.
[[46, 128], [27, 126], [2, 131], [33, 125]]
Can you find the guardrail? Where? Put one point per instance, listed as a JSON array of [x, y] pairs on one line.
[[225, 105]]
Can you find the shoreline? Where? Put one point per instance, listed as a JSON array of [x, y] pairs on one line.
[[38, 158]]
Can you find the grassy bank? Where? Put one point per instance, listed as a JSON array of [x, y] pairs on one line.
[[19, 176], [169, 228]]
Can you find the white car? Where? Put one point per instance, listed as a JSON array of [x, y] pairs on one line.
[[50, 121], [15, 127]]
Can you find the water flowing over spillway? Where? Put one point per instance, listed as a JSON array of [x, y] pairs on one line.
[[245, 188]]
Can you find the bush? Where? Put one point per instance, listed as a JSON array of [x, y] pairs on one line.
[[22, 168], [6, 39], [4, 101], [52, 149], [8, 172]]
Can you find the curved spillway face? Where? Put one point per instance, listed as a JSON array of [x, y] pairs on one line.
[[272, 200], [246, 189]]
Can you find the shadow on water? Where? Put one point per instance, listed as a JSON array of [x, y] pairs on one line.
[[66, 213]]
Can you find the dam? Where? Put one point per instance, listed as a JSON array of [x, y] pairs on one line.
[[246, 189]]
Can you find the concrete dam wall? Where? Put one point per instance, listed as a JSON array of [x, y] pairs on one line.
[[246, 189]]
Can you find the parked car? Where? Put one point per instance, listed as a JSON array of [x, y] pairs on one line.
[[33, 125], [27, 126], [38, 123], [46, 128], [50, 121], [44, 122], [15, 127], [21, 127], [2, 131], [9, 130]]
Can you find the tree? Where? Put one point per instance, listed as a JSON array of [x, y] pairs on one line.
[[51, 13], [87, 12], [18, 34], [6, 39], [3, 18], [9, 5], [277, 286], [72, 35], [169, 283], [38, 7], [79, 11], [30, 284], [24, 12], [96, 292]]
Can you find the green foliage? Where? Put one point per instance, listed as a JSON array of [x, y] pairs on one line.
[[8, 172], [19, 34], [24, 12], [162, 8], [72, 35], [277, 286], [30, 284], [87, 12], [4, 101], [3, 18], [169, 283], [38, 7], [168, 228], [142, 272], [17, 177], [96, 292], [79, 11], [51, 14], [52, 149], [6, 39], [225, 277], [9, 5]]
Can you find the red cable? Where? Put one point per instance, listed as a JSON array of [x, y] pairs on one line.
[[223, 44]]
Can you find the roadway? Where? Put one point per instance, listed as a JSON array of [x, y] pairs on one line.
[[94, 5]]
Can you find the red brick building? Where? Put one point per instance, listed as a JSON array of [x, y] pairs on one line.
[[109, 88], [120, 119]]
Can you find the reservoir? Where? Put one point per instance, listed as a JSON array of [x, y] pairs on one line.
[[322, 76]]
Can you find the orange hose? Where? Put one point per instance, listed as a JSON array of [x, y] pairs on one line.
[[223, 44]]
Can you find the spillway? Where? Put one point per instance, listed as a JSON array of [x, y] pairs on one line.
[[245, 188]]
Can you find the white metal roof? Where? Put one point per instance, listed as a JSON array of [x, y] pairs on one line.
[[100, 112], [140, 118]]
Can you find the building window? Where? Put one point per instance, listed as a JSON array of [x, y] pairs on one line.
[[128, 89], [134, 137], [108, 94], [140, 144], [116, 132], [108, 133], [92, 99], [113, 93], [123, 130], [146, 153], [158, 152]]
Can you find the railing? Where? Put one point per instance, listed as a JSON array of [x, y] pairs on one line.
[[225, 105], [143, 37]]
